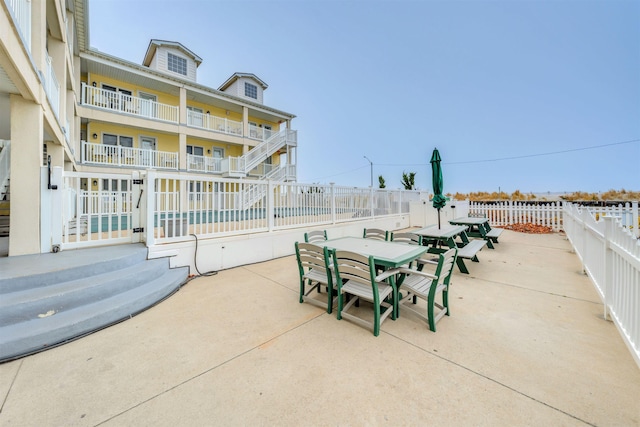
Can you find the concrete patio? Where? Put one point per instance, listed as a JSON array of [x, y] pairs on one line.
[[525, 344]]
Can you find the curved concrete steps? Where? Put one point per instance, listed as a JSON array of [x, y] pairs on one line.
[[74, 293]]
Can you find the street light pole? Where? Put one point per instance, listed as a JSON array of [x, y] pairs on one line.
[[371, 164]]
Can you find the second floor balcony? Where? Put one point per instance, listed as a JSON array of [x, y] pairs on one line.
[[116, 156]]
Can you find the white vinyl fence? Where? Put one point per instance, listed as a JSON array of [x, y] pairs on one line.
[[550, 214], [215, 207], [512, 212], [610, 256]]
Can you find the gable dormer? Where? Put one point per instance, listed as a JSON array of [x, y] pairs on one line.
[[172, 58], [245, 85]]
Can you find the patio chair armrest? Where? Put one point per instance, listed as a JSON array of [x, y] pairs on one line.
[[387, 274], [412, 271]]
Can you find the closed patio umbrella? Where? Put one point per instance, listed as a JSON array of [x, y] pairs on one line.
[[439, 201]]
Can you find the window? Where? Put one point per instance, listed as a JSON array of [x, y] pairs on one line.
[[250, 90], [176, 64], [108, 139], [218, 153], [196, 151], [124, 141]]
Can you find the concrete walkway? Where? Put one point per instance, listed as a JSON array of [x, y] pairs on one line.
[[525, 345]]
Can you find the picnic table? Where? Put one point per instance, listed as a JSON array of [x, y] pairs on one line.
[[479, 227], [435, 237]]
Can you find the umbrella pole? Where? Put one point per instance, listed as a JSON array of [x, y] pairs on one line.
[[438, 218]]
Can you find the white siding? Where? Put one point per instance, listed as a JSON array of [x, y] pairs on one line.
[[159, 62], [237, 89]]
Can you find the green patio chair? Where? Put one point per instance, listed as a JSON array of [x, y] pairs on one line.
[[375, 233], [405, 237], [316, 236], [424, 285], [356, 278], [315, 268]]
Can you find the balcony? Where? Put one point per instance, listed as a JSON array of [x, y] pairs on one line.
[[214, 123], [21, 10], [52, 87], [203, 164], [115, 155], [132, 105]]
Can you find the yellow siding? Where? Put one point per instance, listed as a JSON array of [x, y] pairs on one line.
[[164, 142], [163, 98]]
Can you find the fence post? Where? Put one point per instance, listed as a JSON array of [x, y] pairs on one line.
[[333, 202], [371, 202], [634, 219], [271, 212], [608, 267], [137, 215], [147, 209]]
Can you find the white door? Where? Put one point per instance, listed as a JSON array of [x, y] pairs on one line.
[[148, 146], [148, 106]]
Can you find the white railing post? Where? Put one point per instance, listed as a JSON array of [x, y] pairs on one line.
[[149, 208], [332, 192], [634, 219], [270, 206], [371, 207], [137, 208]]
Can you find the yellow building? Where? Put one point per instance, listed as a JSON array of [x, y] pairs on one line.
[[64, 104]]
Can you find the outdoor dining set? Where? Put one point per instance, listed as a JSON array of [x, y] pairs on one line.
[[390, 270]]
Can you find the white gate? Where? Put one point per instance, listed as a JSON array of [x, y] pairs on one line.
[[99, 209]]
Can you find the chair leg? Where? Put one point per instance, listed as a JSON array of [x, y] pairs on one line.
[[302, 290]]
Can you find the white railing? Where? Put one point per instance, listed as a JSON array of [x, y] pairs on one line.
[[115, 155], [213, 207], [214, 123], [276, 174], [21, 10], [5, 166], [627, 213], [203, 164], [259, 153], [119, 102], [610, 256], [52, 87]]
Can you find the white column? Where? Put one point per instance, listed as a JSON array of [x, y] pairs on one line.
[[26, 161]]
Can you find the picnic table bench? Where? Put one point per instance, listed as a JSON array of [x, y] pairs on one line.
[[479, 227]]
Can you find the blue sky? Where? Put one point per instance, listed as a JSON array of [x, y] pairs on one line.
[[533, 96]]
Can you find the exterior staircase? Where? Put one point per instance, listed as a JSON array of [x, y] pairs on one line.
[[239, 167], [49, 299]]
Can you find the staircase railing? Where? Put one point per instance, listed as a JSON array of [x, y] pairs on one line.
[[5, 165], [255, 192], [259, 153]]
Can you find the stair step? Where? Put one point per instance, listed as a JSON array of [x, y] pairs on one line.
[[34, 271], [41, 333], [28, 304]]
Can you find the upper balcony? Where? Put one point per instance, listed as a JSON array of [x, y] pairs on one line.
[[214, 123], [128, 104]]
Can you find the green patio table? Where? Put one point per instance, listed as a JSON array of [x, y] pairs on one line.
[[386, 254]]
